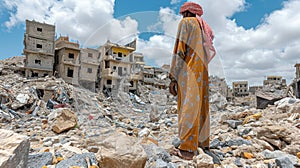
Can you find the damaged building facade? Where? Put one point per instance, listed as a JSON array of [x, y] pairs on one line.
[[240, 88], [67, 60], [39, 49], [89, 65], [116, 68]]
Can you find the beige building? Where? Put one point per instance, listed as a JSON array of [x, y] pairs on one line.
[[89, 64], [67, 60], [39, 49], [240, 88], [116, 68], [275, 80]]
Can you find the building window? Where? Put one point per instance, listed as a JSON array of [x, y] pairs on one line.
[[109, 82], [131, 83], [119, 54], [37, 62], [125, 69], [114, 53], [90, 55], [89, 70], [39, 29], [106, 64], [71, 55], [70, 73], [114, 68], [39, 46]]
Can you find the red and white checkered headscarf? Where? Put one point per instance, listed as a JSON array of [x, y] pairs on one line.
[[208, 33]]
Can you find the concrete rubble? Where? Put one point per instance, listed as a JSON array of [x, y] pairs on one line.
[[135, 130]]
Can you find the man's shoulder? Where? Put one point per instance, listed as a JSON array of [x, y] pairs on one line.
[[189, 20]]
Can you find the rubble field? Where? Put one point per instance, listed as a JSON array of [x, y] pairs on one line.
[[47, 123]]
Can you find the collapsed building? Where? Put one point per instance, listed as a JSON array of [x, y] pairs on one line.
[[39, 49]]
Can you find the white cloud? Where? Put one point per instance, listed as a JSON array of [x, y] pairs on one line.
[[90, 21], [271, 48], [175, 2]]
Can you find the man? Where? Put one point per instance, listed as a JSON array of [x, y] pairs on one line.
[[193, 51]]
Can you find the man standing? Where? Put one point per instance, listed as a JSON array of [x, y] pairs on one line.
[[193, 51]]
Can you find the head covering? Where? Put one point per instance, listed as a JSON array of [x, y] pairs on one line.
[[208, 34], [192, 7]]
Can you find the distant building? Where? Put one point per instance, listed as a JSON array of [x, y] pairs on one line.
[[296, 82], [116, 67], [39, 49], [148, 75], [254, 89], [275, 80], [89, 64], [240, 88], [297, 66], [67, 60]]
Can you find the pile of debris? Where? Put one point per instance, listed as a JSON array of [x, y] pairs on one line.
[[46, 122]]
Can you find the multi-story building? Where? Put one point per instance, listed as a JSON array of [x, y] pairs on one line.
[[137, 71], [240, 88], [116, 63], [89, 64], [275, 80], [148, 75], [67, 60], [39, 49]]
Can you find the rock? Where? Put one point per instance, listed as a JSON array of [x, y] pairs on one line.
[[216, 143], [203, 160], [274, 132], [298, 155], [248, 155], [65, 121], [154, 153], [39, 160], [238, 162], [244, 130], [237, 142], [78, 160], [154, 114], [176, 142], [14, 149], [278, 154], [284, 162], [144, 132], [119, 150], [234, 123], [161, 164]]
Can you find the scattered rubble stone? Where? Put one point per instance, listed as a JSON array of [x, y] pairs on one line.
[[65, 121], [14, 149], [39, 160]]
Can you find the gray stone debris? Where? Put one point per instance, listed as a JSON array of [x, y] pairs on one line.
[[14, 149]]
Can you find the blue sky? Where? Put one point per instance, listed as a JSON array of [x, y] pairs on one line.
[[254, 38]]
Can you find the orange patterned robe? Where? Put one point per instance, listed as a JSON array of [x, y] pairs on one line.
[[190, 68]]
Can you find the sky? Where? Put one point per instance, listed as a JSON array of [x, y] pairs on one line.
[[253, 38]]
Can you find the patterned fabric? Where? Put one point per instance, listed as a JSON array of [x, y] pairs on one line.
[[190, 68], [208, 33]]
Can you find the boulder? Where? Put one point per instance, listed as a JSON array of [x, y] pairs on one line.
[[84, 160], [39, 160], [14, 149], [65, 121], [119, 150]]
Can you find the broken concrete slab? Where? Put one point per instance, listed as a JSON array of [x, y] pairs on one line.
[[14, 149]]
